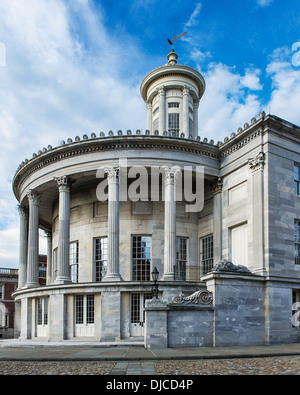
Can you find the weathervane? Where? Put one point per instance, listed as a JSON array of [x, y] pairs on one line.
[[175, 38]]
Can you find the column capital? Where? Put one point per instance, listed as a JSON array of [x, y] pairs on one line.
[[171, 174], [149, 104], [185, 90], [23, 211], [33, 197], [196, 104], [217, 186], [161, 90], [48, 234], [64, 183], [112, 174], [257, 163]]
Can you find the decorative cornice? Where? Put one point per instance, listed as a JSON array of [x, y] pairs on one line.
[[112, 143]]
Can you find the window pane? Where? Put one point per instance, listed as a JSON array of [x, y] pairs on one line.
[[141, 258], [297, 242], [39, 311], [174, 123], [207, 254], [181, 258], [79, 309], [73, 260], [100, 254], [90, 309]]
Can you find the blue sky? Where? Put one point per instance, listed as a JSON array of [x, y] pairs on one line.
[[70, 67]]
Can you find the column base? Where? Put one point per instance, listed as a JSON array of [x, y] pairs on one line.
[[31, 285], [112, 277], [62, 280], [168, 277]]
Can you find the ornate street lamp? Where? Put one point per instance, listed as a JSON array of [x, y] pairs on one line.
[[155, 274]]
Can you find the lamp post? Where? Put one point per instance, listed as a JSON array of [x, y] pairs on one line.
[[155, 274]]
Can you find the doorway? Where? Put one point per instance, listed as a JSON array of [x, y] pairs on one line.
[[137, 321]]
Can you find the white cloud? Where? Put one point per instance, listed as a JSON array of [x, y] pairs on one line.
[[193, 20], [55, 86], [229, 101], [9, 246], [285, 97]]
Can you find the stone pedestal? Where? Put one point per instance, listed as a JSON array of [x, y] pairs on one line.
[[156, 328]]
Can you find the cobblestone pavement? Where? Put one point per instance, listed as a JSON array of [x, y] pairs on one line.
[[284, 365]]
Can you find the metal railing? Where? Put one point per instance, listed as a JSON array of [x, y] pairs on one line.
[[185, 272]]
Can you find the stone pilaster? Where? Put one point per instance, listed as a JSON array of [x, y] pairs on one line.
[[32, 279], [217, 218], [113, 226], [256, 166], [63, 268], [23, 246], [171, 176]]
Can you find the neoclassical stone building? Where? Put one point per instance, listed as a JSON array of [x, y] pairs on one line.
[[116, 206]]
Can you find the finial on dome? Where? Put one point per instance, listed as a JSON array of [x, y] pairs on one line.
[[172, 57]]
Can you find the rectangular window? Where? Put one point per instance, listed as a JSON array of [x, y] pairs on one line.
[[190, 126], [295, 308], [156, 124], [79, 309], [100, 258], [42, 271], [90, 309], [42, 311], [207, 254], [297, 180], [297, 242], [54, 263], [74, 261], [173, 123], [141, 258], [1, 291], [181, 258], [173, 105], [84, 309]]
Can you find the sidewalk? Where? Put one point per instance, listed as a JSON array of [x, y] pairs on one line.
[[15, 350]]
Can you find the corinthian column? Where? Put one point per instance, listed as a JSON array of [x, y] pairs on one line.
[[162, 110], [23, 247], [113, 226], [149, 117], [33, 240], [63, 265], [185, 111], [170, 223], [195, 118]]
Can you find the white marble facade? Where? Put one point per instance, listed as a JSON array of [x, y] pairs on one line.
[[101, 253]]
